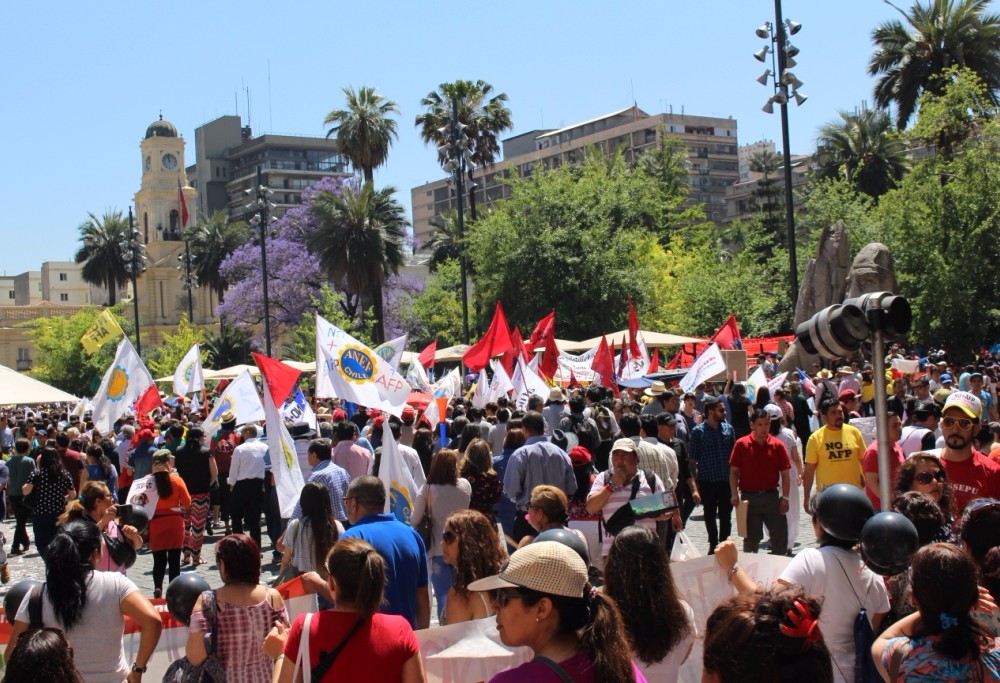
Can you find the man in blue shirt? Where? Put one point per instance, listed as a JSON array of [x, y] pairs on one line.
[[332, 477], [709, 449], [535, 463], [401, 547]]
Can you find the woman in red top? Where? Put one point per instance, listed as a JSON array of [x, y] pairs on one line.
[[370, 646], [166, 528]]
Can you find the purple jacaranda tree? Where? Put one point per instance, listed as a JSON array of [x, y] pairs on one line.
[[399, 293], [294, 275]]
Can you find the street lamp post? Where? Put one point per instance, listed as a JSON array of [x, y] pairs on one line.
[[782, 59], [263, 206], [189, 279], [135, 264], [458, 153]]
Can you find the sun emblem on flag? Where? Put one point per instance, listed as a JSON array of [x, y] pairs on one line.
[[386, 352], [188, 371], [118, 384], [356, 364]]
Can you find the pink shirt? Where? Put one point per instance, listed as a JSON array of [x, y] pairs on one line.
[[869, 463], [352, 457]]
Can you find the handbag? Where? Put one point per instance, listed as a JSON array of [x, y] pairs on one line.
[[289, 571], [211, 670], [426, 525], [120, 550]]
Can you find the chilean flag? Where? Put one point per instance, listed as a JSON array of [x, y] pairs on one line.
[[183, 202]]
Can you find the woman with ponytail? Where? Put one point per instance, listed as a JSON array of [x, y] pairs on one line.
[[166, 528], [90, 607], [95, 505], [352, 641], [942, 641], [545, 602]]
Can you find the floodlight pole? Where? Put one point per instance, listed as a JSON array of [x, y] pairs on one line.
[[876, 321], [793, 269]]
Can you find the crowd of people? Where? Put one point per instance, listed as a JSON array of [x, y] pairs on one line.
[[492, 532]]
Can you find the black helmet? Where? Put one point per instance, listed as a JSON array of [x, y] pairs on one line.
[[568, 538], [888, 543], [842, 510], [182, 594]]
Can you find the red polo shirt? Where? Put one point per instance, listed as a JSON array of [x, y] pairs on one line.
[[760, 464]]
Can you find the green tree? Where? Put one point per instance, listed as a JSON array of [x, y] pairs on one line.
[[359, 242], [364, 130], [60, 359], [101, 254], [911, 55], [164, 359], [212, 240], [832, 200], [436, 313], [950, 119], [863, 149], [767, 192], [444, 242], [485, 116], [231, 346], [574, 238], [665, 165]]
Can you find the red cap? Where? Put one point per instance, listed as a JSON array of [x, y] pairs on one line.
[[339, 415], [847, 395], [408, 413], [579, 455]]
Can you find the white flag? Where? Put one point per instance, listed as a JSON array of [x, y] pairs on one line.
[[126, 380], [392, 351], [526, 384], [709, 364], [500, 385], [639, 366], [400, 489], [240, 396], [188, 377], [195, 404], [448, 386], [299, 410], [417, 377], [288, 481], [356, 373], [480, 398], [776, 383], [755, 381]]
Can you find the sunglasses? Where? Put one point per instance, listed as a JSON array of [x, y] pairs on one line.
[[963, 423], [449, 537], [505, 595], [927, 477]]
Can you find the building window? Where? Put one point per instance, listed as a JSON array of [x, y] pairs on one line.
[[63, 277], [10, 294], [63, 296]]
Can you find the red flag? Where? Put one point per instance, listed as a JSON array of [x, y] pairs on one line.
[[623, 359], [550, 358], [184, 205], [494, 342], [654, 362], [674, 363], [517, 349], [727, 336], [604, 363], [426, 357], [545, 328], [281, 378], [572, 379], [148, 402], [633, 331]]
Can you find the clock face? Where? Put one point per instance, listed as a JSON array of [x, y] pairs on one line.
[[149, 162], [169, 162]]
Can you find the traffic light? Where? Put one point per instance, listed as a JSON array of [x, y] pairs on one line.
[[837, 331]]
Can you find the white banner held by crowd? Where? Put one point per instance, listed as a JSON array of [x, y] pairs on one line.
[[126, 380], [143, 494], [481, 397], [709, 364], [299, 410]]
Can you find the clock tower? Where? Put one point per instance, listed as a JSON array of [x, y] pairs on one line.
[[159, 216]]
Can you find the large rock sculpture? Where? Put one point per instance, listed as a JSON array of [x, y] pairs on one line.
[[872, 271]]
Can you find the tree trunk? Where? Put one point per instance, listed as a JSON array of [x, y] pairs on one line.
[[112, 286], [379, 304]]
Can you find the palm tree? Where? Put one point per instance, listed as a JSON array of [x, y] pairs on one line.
[[863, 149], [484, 114], [444, 243], [359, 242], [910, 58], [230, 347], [364, 130], [212, 240], [102, 255]]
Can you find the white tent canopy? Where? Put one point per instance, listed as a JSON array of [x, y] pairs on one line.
[[21, 389]]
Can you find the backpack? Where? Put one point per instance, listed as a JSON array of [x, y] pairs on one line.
[[587, 434], [223, 446], [624, 516], [602, 418]]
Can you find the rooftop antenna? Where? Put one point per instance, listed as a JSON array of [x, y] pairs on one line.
[[270, 113], [249, 118]]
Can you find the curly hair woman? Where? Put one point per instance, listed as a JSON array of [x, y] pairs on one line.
[[471, 546], [660, 626], [925, 473]]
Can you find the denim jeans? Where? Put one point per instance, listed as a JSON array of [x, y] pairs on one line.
[[442, 578]]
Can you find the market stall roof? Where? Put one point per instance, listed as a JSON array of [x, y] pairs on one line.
[[16, 388], [652, 339], [450, 354]]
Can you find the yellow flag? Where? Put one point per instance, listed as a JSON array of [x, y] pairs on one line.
[[104, 330]]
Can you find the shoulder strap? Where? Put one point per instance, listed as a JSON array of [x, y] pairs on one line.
[[650, 479], [635, 486], [302, 656], [326, 658], [896, 661], [35, 607], [210, 608], [556, 669]]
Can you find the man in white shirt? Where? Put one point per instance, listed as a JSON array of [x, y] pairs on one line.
[[246, 481]]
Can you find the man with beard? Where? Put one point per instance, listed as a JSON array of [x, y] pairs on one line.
[[834, 453], [972, 474]]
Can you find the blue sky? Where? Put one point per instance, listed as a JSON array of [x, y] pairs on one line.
[[83, 80]]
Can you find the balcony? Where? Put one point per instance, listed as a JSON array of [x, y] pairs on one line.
[[23, 365]]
